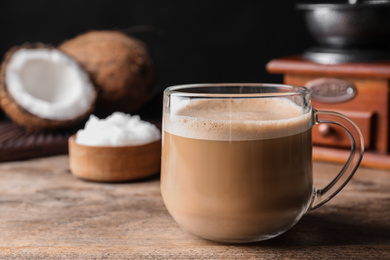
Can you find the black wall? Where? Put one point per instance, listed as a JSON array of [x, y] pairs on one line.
[[190, 41]]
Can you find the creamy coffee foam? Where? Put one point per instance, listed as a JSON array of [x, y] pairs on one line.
[[237, 119]]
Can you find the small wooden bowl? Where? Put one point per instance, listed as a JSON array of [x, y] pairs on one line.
[[114, 164]]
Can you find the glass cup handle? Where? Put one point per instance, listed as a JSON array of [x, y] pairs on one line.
[[321, 196]]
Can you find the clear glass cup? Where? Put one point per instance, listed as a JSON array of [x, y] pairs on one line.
[[237, 159]]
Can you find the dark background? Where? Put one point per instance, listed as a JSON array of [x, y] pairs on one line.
[[190, 41]]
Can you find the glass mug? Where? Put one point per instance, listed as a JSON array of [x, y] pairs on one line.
[[237, 159]]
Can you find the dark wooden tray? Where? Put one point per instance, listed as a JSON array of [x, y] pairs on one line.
[[17, 143]]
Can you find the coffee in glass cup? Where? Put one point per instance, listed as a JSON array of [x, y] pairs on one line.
[[237, 159]]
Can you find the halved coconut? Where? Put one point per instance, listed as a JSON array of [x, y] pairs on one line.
[[43, 88], [119, 65]]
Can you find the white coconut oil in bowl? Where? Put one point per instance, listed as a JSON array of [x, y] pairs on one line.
[[118, 148]]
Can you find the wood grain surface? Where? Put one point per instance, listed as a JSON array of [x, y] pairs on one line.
[[47, 213]]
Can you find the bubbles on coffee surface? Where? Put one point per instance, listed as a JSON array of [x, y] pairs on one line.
[[237, 119]]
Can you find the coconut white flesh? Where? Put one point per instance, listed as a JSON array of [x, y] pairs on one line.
[[49, 84]]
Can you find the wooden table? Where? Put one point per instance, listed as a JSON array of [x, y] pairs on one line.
[[45, 212]]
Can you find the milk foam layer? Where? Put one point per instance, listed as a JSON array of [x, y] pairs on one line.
[[237, 119]]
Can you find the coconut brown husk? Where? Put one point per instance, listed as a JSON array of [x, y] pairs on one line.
[[114, 164], [21, 116], [119, 65]]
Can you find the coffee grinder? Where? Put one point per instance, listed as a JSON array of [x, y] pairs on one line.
[[348, 72]]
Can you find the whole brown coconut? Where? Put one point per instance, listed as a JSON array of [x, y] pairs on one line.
[[118, 64], [21, 115]]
